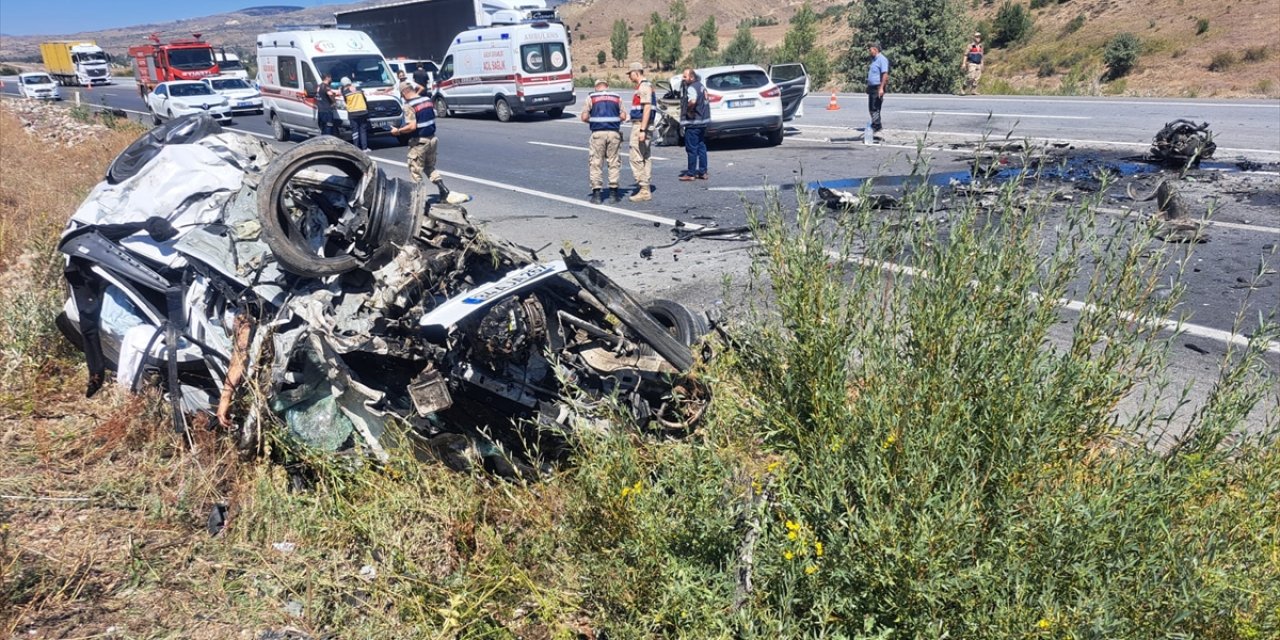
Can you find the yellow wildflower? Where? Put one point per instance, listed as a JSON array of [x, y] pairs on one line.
[[835, 446], [788, 555], [791, 535], [817, 548], [811, 569], [1044, 624], [888, 442], [773, 466], [793, 525]]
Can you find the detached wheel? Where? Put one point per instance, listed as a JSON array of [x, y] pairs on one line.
[[503, 109], [278, 130], [294, 237], [680, 321]]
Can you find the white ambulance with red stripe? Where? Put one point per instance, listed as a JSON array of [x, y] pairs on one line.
[[510, 70], [292, 63]]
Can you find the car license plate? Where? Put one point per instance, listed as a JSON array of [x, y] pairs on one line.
[[735, 104], [382, 126], [244, 104], [540, 99]]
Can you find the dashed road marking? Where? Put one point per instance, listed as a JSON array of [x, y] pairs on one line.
[[575, 148], [995, 115]]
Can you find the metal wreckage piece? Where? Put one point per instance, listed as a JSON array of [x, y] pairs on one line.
[[206, 260], [1182, 143]]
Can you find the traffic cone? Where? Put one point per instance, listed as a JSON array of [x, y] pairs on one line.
[[832, 105]]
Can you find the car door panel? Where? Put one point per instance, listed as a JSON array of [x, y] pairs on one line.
[[793, 83]]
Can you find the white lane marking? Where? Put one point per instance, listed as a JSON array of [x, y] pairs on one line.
[[1035, 100], [994, 115], [671, 222], [571, 147], [1199, 331], [971, 134]]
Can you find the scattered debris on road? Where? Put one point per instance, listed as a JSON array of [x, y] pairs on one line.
[[309, 282], [1182, 143]]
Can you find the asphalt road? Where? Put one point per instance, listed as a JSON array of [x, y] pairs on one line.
[[529, 178]]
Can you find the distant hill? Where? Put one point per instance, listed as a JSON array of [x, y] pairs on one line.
[[271, 10]]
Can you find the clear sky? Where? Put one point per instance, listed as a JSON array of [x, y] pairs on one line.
[[57, 17]]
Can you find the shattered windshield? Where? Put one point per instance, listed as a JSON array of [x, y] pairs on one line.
[[370, 71], [191, 59], [189, 90]]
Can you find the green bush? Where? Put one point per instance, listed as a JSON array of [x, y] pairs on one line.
[[921, 39], [1121, 54], [758, 21], [1223, 61], [9, 70], [1202, 25], [601, 57], [1074, 24], [1013, 23], [1255, 54]]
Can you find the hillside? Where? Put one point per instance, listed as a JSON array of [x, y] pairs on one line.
[[1181, 40]]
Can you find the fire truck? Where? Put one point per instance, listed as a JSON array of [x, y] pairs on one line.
[[188, 59]]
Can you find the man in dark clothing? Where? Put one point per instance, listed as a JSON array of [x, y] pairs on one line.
[[695, 115], [326, 110], [357, 113], [877, 81], [421, 77]]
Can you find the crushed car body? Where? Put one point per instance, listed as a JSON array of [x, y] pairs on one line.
[[346, 300]]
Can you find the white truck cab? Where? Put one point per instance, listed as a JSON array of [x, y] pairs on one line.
[[510, 70], [291, 64], [229, 65]]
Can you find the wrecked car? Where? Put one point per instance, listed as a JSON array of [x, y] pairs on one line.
[[239, 277]]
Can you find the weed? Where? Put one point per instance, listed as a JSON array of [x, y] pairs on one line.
[[1223, 61], [1264, 86], [1255, 54], [1073, 25], [9, 70], [1202, 26]]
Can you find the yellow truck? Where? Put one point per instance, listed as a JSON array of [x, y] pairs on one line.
[[76, 62]]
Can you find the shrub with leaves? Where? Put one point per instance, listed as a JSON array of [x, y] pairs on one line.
[[1121, 54], [922, 39], [1013, 23]]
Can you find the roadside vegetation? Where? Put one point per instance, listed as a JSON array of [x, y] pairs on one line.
[[903, 443]]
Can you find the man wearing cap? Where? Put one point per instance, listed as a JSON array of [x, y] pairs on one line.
[[605, 116], [973, 65], [642, 106], [357, 113], [877, 82], [420, 125]]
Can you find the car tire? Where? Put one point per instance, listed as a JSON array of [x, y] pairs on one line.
[[555, 113], [680, 321], [293, 253], [169, 116], [774, 137], [155, 118], [278, 130], [442, 107], [503, 110]]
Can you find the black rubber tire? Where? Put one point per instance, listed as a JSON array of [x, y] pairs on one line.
[[155, 119], [555, 113], [681, 322], [290, 252], [502, 109], [442, 107], [139, 152], [774, 137], [278, 130]]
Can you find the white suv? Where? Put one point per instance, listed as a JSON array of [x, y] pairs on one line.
[[745, 101]]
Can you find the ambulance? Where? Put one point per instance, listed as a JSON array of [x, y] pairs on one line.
[[291, 63], [510, 70]]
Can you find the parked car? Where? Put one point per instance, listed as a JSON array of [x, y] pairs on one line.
[[178, 98], [241, 95], [38, 85], [745, 100]]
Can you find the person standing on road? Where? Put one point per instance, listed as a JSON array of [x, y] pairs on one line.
[[642, 105], [973, 65], [877, 82], [357, 113], [420, 125], [605, 116], [421, 77], [326, 108], [695, 113]]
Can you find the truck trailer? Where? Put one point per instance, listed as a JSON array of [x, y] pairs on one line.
[[424, 29], [76, 62]]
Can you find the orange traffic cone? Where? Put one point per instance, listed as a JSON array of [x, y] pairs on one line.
[[832, 105]]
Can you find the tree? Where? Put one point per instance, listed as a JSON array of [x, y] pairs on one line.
[[708, 38], [923, 40], [1013, 23], [800, 45], [743, 49], [619, 42], [661, 42], [678, 12]]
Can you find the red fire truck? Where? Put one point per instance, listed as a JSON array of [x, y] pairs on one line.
[[189, 59]]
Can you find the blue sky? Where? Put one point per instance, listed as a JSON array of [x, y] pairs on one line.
[[57, 17]]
